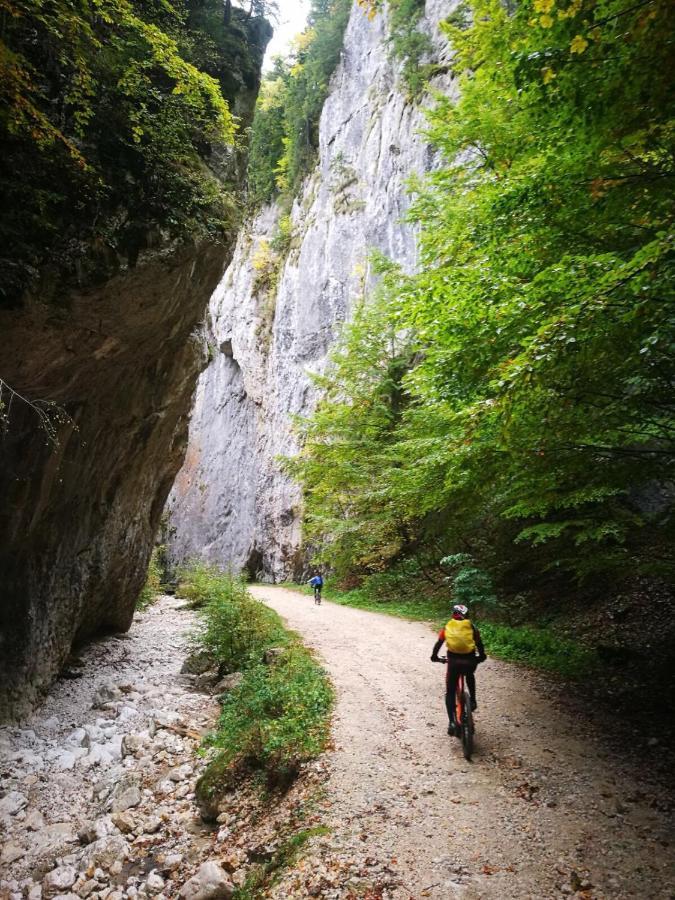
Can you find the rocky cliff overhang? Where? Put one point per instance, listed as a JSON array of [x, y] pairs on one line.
[[85, 476], [97, 382]]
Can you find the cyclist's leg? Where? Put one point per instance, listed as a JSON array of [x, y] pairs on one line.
[[471, 684], [451, 676]]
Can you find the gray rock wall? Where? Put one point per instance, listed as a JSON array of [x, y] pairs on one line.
[[232, 504], [78, 516]]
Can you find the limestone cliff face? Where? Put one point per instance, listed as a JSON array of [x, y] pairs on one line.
[[79, 514], [232, 504]]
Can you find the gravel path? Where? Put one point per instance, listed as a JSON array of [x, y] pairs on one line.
[[542, 810]]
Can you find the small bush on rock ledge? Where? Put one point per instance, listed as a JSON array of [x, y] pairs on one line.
[[274, 721], [234, 629], [153, 581]]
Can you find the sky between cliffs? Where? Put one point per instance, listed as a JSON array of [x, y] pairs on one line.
[[292, 19]]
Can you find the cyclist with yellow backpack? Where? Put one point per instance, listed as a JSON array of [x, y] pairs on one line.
[[464, 651]]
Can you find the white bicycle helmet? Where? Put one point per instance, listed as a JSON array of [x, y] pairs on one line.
[[461, 609]]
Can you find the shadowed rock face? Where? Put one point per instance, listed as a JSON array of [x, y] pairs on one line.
[[78, 517], [78, 514]]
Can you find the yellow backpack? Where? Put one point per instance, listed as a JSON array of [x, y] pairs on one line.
[[459, 636]]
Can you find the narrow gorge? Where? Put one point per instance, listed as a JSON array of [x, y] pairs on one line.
[[277, 311], [101, 350], [337, 471]]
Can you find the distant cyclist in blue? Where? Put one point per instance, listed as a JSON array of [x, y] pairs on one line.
[[317, 584]]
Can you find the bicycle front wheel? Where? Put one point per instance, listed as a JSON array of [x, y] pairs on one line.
[[467, 727]]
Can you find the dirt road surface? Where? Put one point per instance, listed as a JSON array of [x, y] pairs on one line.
[[545, 809]]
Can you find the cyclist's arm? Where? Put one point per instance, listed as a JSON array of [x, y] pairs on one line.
[[479, 644], [437, 646]]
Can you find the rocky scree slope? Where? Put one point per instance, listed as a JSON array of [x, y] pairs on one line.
[[121, 358], [273, 317]]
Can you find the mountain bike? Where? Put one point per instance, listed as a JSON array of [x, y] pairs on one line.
[[317, 595], [463, 714]]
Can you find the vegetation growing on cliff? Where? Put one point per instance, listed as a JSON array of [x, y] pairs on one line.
[[285, 136], [285, 133], [153, 580], [514, 399], [116, 122], [408, 44]]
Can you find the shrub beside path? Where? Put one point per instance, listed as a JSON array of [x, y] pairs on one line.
[[543, 810]]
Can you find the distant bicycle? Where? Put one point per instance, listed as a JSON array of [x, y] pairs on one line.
[[463, 715], [317, 584]]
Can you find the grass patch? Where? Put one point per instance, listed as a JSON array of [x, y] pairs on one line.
[[235, 629], [541, 648], [279, 715], [264, 875], [277, 718]]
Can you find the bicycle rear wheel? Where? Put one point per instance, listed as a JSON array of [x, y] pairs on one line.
[[459, 707], [467, 727]]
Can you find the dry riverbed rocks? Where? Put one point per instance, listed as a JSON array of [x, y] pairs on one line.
[[98, 787], [97, 797]]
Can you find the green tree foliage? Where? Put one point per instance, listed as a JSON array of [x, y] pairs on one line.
[[349, 444], [285, 135], [409, 44], [471, 585], [110, 109], [267, 136], [536, 403]]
